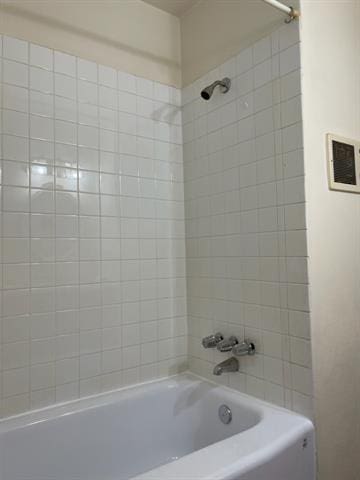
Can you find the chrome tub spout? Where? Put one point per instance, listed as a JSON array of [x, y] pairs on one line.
[[228, 365]]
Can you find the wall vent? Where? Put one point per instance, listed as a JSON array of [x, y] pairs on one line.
[[343, 164]]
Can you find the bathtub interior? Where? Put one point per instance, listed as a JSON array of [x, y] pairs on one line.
[[140, 431]]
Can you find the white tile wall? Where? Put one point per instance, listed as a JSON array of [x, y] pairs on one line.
[[92, 234], [92, 228], [245, 221]]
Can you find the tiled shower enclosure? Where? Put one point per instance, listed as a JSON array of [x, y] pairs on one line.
[[98, 289]]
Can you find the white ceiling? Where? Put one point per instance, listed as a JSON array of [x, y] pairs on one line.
[[175, 7]]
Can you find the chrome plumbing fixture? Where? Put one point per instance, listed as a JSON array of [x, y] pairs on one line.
[[227, 344], [224, 85], [225, 414], [244, 348], [212, 340], [229, 365]]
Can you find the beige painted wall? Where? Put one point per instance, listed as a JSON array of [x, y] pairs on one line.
[[331, 103], [127, 34], [136, 37], [213, 31]]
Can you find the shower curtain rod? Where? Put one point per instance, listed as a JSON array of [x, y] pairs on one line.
[[290, 11]]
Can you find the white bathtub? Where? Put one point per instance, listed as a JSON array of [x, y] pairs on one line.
[[168, 429]]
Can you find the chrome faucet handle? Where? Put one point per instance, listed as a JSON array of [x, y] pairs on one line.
[[212, 340], [227, 344], [244, 348]]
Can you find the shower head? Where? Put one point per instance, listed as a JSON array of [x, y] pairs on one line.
[[224, 85]]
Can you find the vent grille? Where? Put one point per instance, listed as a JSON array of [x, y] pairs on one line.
[[343, 159], [344, 163]]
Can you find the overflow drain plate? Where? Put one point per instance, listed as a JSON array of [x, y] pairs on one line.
[[225, 414]]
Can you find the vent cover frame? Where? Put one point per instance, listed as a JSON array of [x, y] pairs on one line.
[[337, 185]]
